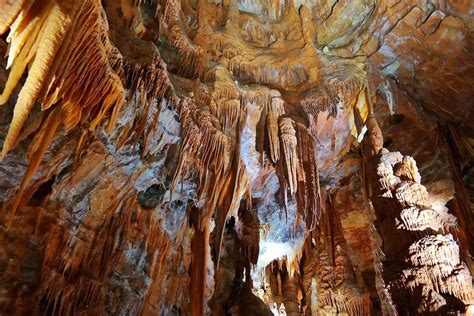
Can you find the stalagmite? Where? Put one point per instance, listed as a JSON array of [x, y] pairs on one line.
[[337, 291], [433, 260]]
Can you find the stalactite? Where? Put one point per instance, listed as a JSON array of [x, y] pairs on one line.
[[344, 91], [229, 203], [322, 103], [10, 10], [223, 179], [200, 242], [228, 114], [274, 111], [64, 299], [41, 143], [346, 119], [159, 277], [289, 144], [334, 93], [309, 191], [152, 78], [61, 294]]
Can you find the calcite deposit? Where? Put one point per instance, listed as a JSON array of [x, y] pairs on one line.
[[238, 157]]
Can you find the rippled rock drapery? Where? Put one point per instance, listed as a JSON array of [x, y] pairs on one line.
[[236, 157]]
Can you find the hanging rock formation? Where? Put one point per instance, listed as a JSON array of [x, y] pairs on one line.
[[240, 157]]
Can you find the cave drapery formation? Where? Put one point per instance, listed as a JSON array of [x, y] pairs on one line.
[[236, 157]]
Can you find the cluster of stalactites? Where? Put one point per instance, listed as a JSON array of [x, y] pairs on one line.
[[334, 95], [150, 87], [70, 62], [75, 270], [210, 147], [264, 73], [340, 110], [192, 61]]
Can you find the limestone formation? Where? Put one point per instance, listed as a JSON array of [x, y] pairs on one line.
[[241, 157]]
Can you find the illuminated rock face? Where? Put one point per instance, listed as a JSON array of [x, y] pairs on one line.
[[236, 157]]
